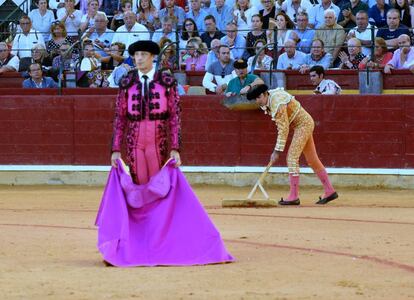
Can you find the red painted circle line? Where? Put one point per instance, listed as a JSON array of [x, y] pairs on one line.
[[235, 215], [373, 259]]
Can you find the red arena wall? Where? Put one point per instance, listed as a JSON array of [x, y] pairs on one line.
[[367, 131]]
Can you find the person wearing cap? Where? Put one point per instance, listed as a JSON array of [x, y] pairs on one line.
[[241, 84], [147, 111], [287, 112]]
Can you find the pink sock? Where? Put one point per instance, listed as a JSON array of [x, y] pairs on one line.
[[323, 176], [294, 187]]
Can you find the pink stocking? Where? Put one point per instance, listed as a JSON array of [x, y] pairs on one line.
[[294, 187], [323, 176]]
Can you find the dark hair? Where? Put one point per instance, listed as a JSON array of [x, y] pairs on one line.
[[184, 33], [257, 16], [289, 22], [318, 70], [320, 41], [210, 17], [35, 63]]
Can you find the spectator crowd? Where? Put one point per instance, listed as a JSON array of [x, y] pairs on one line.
[[214, 36]]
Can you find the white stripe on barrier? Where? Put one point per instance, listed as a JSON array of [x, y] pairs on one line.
[[208, 169]]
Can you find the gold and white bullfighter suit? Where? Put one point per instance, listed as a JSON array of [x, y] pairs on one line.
[[287, 113]]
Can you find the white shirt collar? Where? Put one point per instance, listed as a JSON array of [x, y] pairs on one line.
[[150, 75]]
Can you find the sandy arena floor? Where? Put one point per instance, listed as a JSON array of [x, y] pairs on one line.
[[359, 247]]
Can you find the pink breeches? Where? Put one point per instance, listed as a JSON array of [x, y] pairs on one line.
[[147, 159]]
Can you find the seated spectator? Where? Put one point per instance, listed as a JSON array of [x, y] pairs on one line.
[[268, 12], [213, 54], [332, 34], [211, 31], [24, 41], [323, 86], [8, 61], [381, 56], [318, 56], [235, 41], [166, 31], [253, 36], [59, 36], [37, 80], [42, 18], [285, 28], [243, 13], [100, 34], [197, 14], [173, 11], [40, 56], [169, 57], [67, 59], [293, 8], [403, 57], [88, 19], [378, 14], [89, 61], [222, 13], [197, 55], [241, 84], [147, 15], [114, 56], [394, 30], [263, 61], [118, 18], [318, 13], [71, 17], [56, 4], [84, 6], [406, 12], [189, 30], [354, 56], [292, 59], [347, 17], [219, 73], [363, 32], [130, 32], [303, 35]]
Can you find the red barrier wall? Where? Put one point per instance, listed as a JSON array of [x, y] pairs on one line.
[[351, 131]]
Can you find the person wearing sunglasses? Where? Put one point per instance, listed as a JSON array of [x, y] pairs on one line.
[[219, 73], [24, 41]]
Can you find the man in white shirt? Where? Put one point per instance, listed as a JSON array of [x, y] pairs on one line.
[[292, 59], [100, 34], [323, 86], [294, 7], [24, 41], [8, 61], [363, 32], [317, 13], [131, 32]]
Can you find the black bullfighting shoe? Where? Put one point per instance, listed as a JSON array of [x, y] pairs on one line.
[[294, 202], [327, 199]]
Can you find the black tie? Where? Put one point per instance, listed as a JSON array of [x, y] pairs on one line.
[[145, 87]]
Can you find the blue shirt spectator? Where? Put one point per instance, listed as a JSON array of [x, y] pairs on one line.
[[317, 14], [46, 82], [235, 41], [303, 35], [197, 15], [222, 13], [292, 59]]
